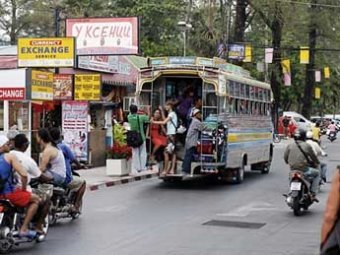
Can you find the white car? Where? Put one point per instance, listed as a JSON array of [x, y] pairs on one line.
[[300, 120]]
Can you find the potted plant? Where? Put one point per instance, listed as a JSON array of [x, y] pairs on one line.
[[118, 160]]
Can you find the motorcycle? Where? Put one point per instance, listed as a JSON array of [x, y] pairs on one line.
[[299, 196], [11, 220], [332, 136]]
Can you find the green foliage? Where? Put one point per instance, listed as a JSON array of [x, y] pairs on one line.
[[119, 134]]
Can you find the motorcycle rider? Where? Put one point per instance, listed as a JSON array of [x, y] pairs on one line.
[[21, 144], [332, 128], [301, 157], [73, 182], [19, 197]]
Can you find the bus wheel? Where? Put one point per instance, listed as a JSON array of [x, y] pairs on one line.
[[240, 174], [265, 169]]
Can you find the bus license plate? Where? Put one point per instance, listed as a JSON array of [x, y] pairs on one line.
[[295, 186]]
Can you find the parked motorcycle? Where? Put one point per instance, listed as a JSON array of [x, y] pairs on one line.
[[62, 203], [332, 136], [11, 220], [299, 196]]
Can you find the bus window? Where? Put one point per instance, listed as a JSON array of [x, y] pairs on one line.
[[247, 88], [256, 108], [256, 93], [236, 89], [237, 110], [223, 105], [244, 107], [260, 94], [251, 90], [242, 90], [231, 88], [231, 105]]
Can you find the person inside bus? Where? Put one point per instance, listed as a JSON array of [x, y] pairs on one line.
[[197, 106], [171, 122], [191, 140], [184, 104], [157, 135]]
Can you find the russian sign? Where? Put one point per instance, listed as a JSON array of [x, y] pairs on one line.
[[41, 85], [13, 84], [87, 87], [63, 87], [46, 52], [105, 36], [75, 127]]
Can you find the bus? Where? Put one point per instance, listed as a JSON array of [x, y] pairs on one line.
[[236, 111]]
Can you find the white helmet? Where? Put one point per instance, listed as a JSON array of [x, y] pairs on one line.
[[309, 135]]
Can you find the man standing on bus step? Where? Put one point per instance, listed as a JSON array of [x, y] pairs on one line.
[[192, 137]]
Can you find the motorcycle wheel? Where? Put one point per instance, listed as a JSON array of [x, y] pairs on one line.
[[5, 246], [296, 207]]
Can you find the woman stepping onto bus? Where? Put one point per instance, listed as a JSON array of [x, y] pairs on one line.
[[157, 134], [171, 122]]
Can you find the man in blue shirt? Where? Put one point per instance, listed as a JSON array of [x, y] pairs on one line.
[[74, 183]]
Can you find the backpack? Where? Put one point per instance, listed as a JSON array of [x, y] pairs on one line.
[[134, 139]]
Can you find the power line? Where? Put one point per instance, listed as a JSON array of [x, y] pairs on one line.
[[309, 3]]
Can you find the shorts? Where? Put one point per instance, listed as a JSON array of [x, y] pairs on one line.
[[58, 180], [76, 183], [19, 197]]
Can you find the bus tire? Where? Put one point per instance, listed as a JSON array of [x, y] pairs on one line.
[[240, 174]]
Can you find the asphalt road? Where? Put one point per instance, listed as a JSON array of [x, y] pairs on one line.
[[153, 218]]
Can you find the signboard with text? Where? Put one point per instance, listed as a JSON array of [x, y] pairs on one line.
[[107, 64], [87, 87], [46, 52], [75, 127], [41, 85], [13, 84], [105, 36], [63, 86]]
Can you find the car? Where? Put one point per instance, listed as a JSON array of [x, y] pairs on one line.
[[301, 121]]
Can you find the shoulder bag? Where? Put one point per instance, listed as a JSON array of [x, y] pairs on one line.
[[134, 139]]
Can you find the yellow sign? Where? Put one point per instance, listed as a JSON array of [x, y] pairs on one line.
[[285, 66], [41, 85], [326, 72], [46, 52], [247, 54], [87, 87], [304, 55], [317, 93]]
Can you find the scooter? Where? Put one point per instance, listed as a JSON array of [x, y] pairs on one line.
[[332, 136], [299, 196], [11, 220]]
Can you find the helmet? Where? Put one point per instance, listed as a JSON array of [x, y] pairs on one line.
[[309, 135], [300, 134]]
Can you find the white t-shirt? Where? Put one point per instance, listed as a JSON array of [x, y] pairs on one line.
[[171, 125], [29, 165]]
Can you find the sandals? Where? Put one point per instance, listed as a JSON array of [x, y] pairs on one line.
[[29, 234]]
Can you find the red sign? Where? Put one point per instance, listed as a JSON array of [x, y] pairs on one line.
[[105, 36], [12, 93]]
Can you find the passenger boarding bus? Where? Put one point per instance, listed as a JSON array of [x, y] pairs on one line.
[[235, 110]]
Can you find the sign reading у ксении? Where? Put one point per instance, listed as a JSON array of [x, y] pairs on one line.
[[41, 85], [87, 87], [46, 52]]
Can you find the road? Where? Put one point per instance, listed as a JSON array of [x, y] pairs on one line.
[[150, 217]]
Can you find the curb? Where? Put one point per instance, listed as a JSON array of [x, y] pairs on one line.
[[125, 180]]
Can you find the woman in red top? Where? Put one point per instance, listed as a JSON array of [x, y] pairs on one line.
[[157, 133]]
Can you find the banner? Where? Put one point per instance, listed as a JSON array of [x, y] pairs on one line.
[[317, 76], [75, 127], [248, 54], [46, 52], [105, 36], [304, 55], [317, 93], [269, 55], [87, 87], [63, 87], [236, 51], [285, 66], [13, 84], [327, 72], [287, 79], [41, 85]]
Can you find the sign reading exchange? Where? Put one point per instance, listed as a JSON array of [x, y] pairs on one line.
[[46, 52], [41, 85]]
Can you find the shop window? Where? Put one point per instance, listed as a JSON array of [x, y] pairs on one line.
[[127, 101], [18, 115]]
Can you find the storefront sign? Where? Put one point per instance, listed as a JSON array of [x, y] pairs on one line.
[[105, 36], [13, 84], [75, 127], [41, 85], [62, 86], [46, 52], [87, 87], [107, 64]]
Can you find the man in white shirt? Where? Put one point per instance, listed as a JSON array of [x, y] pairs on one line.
[[21, 144]]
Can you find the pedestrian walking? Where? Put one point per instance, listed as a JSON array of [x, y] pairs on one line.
[[139, 154], [330, 231]]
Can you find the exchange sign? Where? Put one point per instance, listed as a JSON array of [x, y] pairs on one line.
[[41, 85], [46, 52], [87, 87]]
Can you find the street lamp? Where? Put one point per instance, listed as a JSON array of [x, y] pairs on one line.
[[184, 27]]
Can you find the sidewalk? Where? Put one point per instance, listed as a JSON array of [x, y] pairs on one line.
[[96, 178]]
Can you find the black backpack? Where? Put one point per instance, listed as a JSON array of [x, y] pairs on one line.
[[134, 139]]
